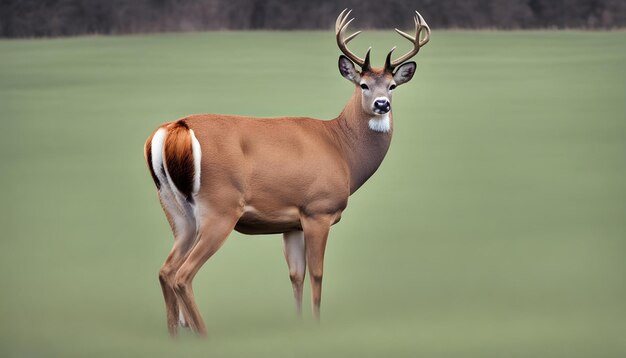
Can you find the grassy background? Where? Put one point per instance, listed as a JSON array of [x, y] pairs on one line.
[[495, 227]]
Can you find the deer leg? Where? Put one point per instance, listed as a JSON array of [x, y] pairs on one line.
[[184, 228], [212, 233], [315, 235], [293, 247], [166, 278]]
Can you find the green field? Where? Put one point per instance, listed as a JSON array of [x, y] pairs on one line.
[[496, 227]]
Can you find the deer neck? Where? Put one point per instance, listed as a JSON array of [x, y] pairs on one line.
[[363, 139]]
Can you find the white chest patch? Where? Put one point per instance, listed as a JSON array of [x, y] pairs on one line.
[[380, 123]]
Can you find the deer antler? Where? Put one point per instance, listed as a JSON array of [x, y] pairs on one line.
[[422, 35], [340, 26]]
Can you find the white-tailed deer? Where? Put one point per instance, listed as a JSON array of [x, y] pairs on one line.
[[290, 175]]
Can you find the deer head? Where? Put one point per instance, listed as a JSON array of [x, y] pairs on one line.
[[378, 84]]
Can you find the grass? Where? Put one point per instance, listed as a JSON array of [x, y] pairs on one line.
[[494, 228]]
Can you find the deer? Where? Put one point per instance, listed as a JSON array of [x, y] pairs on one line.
[[287, 175]]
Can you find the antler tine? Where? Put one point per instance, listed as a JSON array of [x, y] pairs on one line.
[[341, 19], [388, 66], [424, 27], [340, 27], [417, 41], [338, 21], [405, 35], [349, 38], [421, 25]]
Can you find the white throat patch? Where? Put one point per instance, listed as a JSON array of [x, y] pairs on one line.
[[380, 123]]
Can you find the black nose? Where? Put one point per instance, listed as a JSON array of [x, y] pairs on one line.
[[382, 106]]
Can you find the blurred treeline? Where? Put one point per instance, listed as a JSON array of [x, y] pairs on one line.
[[26, 18]]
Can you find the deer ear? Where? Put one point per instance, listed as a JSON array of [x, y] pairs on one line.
[[404, 73], [347, 70]]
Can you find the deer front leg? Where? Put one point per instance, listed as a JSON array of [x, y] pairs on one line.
[[213, 232], [316, 230], [293, 247]]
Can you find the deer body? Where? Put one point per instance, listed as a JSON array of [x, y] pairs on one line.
[[289, 175]]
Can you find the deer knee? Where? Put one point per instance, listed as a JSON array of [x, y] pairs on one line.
[[165, 276], [296, 277], [316, 276], [181, 283], [180, 286]]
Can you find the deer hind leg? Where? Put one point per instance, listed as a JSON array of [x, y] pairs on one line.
[[316, 230], [293, 247], [166, 278], [213, 231], [183, 224], [179, 209]]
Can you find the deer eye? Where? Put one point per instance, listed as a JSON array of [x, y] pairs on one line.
[[364, 86], [392, 87]]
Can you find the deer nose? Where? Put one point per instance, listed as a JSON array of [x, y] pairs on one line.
[[382, 106]]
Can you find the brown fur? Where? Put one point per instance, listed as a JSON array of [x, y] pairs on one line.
[[178, 155]]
